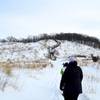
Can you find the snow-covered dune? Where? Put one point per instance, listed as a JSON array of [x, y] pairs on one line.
[[43, 84]]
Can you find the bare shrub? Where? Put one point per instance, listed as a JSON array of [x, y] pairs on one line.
[[90, 86], [8, 66]]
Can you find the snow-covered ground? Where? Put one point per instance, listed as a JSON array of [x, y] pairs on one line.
[[43, 84]]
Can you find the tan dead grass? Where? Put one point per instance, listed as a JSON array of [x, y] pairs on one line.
[[84, 62], [90, 86], [8, 66]]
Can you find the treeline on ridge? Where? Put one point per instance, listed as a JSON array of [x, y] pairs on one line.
[[73, 37]]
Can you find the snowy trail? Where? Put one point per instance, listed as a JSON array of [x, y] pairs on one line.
[[44, 85], [34, 86]]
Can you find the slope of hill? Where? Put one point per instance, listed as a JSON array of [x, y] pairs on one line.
[[42, 83]]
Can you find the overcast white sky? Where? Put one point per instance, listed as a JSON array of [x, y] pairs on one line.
[[21, 18]]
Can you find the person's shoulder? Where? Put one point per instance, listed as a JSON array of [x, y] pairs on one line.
[[79, 67], [66, 70]]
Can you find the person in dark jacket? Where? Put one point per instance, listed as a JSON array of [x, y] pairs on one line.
[[71, 82]]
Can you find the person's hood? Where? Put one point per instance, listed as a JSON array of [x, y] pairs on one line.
[[73, 63]]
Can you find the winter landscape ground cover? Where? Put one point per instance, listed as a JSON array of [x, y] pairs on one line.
[[26, 73]]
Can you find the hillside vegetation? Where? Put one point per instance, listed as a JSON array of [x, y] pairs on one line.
[[74, 37]]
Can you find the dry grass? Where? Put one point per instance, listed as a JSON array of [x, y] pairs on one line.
[[92, 77], [90, 83], [8, 66], [84, 62]]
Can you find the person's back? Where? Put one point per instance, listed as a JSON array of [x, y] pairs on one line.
[[71, 80]]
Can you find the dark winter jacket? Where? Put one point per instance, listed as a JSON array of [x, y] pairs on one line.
[[71, 79]]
